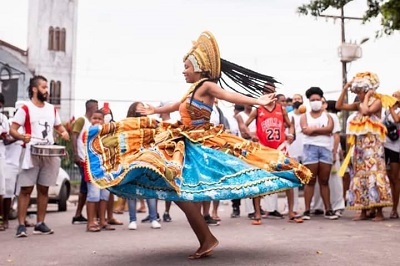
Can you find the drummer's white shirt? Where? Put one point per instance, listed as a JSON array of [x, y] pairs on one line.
[[42, 120]]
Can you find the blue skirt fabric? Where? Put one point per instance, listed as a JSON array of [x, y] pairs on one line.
[[208, 174]]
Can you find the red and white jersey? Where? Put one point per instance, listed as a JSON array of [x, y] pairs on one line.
[[271, 126], [38, 121]]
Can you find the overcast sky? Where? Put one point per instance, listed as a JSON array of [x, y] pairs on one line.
[[132, 50]]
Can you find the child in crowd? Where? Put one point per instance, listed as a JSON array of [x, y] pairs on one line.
[[96, 196]]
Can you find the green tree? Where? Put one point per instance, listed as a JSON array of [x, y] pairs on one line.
[[387, 10]]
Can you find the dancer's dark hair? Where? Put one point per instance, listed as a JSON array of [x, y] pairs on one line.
[[247, 81]]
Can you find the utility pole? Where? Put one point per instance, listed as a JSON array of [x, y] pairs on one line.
[[342, 17]]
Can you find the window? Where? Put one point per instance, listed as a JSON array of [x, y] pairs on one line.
[[51, 38], [62, 40], [57, 39], [55, 92]]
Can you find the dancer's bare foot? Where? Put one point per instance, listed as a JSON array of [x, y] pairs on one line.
[[256, 220], [378, 218], [205, 250]]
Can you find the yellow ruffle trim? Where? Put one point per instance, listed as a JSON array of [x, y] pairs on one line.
[[387, 100], [366, 125]]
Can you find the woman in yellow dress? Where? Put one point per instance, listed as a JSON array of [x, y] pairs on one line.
[[369, 186]]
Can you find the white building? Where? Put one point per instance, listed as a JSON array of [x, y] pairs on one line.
[[52, 31]]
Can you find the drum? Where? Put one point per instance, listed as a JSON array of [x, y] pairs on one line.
[[48, 150]]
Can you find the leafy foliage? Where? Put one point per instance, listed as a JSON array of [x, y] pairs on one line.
[[67, 161], [387, 10]]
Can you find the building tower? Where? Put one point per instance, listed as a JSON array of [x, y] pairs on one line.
[[52, 31]]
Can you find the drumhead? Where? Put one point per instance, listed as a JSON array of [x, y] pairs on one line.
[[50, 147]]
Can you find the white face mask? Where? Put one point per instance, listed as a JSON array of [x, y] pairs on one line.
[[316, 105]]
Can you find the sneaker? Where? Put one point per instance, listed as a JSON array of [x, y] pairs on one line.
[[317, 212], [79, 220], [235, 212], [155, 224], [132, 225], [253, 214], [331, 215], [147, 219], [166, 217], [275, 214], [263, 213], [306, 215], [21, 231], [339, 213], [210, 220], [42, 229]]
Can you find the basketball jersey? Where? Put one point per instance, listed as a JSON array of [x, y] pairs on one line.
[[270, 126]]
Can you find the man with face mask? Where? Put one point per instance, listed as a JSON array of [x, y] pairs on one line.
[[38, 119], [317, 128]]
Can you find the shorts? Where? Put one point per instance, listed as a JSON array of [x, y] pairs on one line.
[[83, 187], [391, 156], [44, 172], [11, 180], [313, 154], [95, 194]]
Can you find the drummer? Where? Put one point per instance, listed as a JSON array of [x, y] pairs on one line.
[[38, 119]]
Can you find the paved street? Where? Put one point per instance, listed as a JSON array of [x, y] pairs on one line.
[[275, 242]]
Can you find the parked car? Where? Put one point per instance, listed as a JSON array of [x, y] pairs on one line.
[[58, 194]]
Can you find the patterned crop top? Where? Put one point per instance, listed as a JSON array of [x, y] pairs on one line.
[[195, 114]]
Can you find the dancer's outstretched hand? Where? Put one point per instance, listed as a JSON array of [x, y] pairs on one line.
[[146, 110], [266, 99]]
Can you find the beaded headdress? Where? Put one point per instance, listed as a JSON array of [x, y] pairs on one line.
[[205, 56], [365, 81]]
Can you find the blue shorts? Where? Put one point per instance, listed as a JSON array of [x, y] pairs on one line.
[[313, 154], [95, 194]]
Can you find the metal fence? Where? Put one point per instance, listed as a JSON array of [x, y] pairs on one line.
[[67, 162]]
